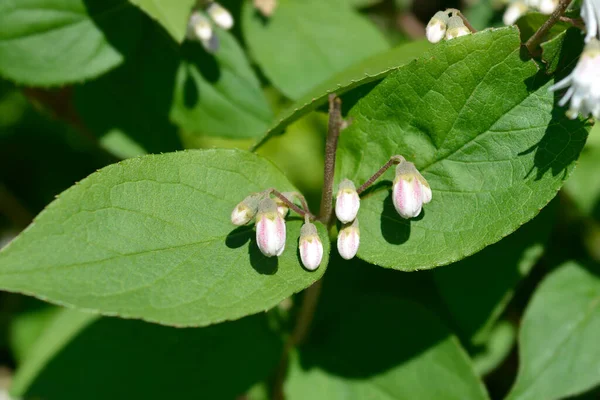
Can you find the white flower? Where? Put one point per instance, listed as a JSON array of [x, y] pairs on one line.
[[583, 83], [200, 29], [410, 190], [311, 248], [590, 12], [245, 210], [270, 229], [547, 6], [348, 240], [220, 15], [456, 28], [514, 11], [436, 28], [347, 202]]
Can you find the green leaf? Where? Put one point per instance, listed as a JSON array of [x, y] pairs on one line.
[[563, 51], [82, 357], [26, 328], [172, 15], [306, 42], [54, 42], [151, 238], [383, 348], [559, 350], [478, 122], [584, 186], [491, 277], [496, 349], [532, 21], [373, 69], [163, 87]]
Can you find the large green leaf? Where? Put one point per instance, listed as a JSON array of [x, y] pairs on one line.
[[491, 277], [559, 347], [373, 69], [164, 86], [172, 15], [383, 348], [480, 124], [80, 356], [306, 42], [53, 42], [151, 238]]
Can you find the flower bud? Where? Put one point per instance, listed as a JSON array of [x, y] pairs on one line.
[[347, 202], [270, 229], [348, 240], [311, 248], [245, 210], [220, 15], [456, 28], [513, 12], [199, 27], [283, 208], [410, 190], [436, 28], [266, 7]]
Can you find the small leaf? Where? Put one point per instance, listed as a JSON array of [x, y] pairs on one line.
[[306, 42], [532, 21], [80, 356], [559, 352], [52, 42], [373, 69], [151, 238], [478, 122], [383, 348], [491, 277], [172, 15]]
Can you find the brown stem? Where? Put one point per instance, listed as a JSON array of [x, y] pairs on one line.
[[394, 160], [292, 206], [467, 23], [333, 134], [576, 22], [541, 33]]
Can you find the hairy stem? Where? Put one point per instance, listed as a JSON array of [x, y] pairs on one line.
[[302, 212], [466, 22], [393, 161], [333, 134], [541, 33]]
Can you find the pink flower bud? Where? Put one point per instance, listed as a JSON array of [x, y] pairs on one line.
[[347, 202], [348, 240], [245, 210], [311, 248], [270, 229], [410, 190]]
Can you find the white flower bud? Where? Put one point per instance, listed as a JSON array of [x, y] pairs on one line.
[[266, 7], [199, 27], [456, 28], [245, 210], [514, 11], [347, 202], [436, 28], [590, 12], [220, 15], [410, 190], [311, 248], [348, 240], [270, 229], [283, 208], [583, 83], [547, 6]]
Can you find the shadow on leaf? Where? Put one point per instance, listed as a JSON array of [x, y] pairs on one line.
[[395, 229]]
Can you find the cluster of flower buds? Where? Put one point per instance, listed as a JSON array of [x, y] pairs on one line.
[[200, 27], [347, 203], [583, 83], [270, 214], [517, 8], [446, 24]]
